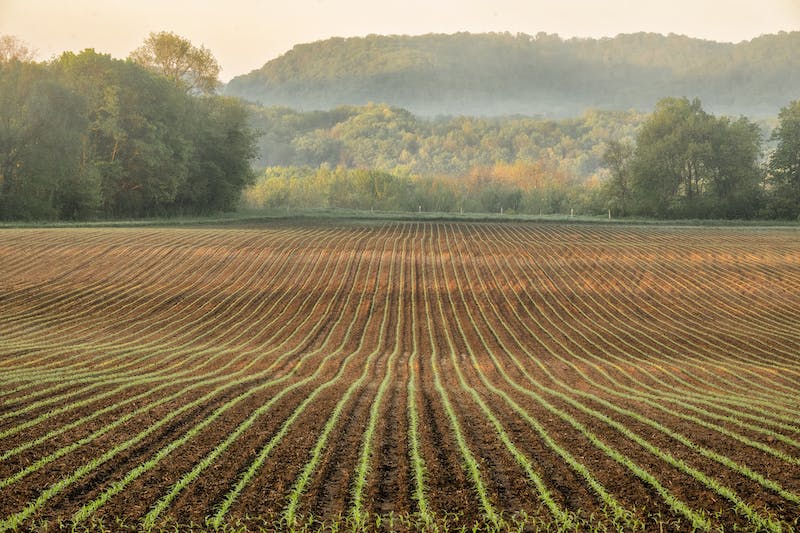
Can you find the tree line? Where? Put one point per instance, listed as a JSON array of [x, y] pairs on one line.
[[393, 139], [86, 135], [687, 163], [522, 187], [678, 162], [503, 73]]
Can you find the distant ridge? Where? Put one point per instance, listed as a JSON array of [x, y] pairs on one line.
[[503, 73]]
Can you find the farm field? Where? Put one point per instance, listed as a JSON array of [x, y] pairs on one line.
[[400, 375]]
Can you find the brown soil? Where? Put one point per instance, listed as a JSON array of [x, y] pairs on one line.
[[681, 326]]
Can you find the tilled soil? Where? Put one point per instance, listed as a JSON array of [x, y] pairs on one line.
[[598, 376]]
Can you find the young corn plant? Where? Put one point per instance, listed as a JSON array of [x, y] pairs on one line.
[[264, 453], [290, 512]]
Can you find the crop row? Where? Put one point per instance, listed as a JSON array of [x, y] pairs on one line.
[[450, 374]]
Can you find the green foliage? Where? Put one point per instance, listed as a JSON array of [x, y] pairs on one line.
[[678, 162], [191, 68], [391, 139], [617, 158], [88, 135], [223, 147], [690, 164], [504, 73], [784, 165], [40, 127], [513, 164], [506, 189]]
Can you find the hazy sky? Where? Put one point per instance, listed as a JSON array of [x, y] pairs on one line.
[[244, 34]]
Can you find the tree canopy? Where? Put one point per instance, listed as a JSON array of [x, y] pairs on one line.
[[392, 139], [680, 161], [177, 59], [784, 165], [41, 125], [87, 135], [13, 49], [503, 73], [689, 163]]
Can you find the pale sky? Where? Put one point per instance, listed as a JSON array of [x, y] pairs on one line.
[[245, 34]]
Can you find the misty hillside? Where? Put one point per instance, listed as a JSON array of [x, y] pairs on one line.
[[497, 74]]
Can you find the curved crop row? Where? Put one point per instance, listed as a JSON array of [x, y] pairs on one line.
[[414, 375]]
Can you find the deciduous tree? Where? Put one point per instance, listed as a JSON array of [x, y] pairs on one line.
[[193, 68], [41, 124], [688, 163], [617, 158], [13, 49], [784, 164]]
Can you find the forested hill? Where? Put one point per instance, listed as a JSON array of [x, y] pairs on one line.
[[499, 74]]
